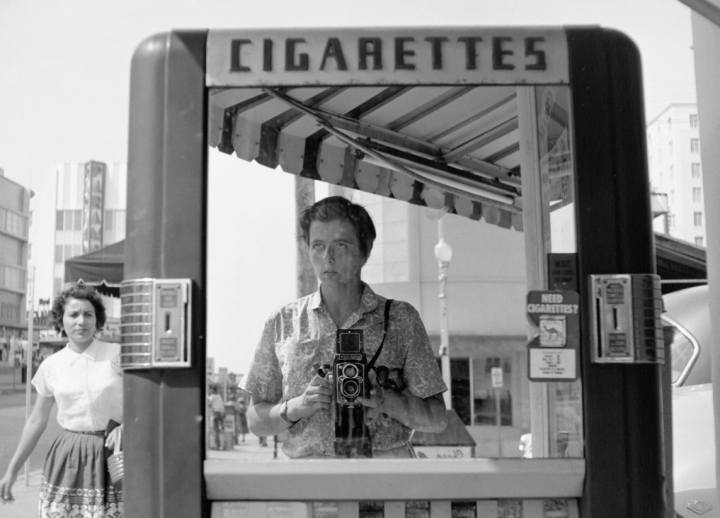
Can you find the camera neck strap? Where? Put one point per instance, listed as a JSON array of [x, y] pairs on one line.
[[371, 364]]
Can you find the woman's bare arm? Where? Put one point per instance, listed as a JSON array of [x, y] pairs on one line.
[[31, 433]]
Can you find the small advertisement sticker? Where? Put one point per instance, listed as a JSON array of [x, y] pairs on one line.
[[552, 364], [554, 318], [552, 331], [497, 377]]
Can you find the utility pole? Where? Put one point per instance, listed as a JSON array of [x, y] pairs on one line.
[[28, 355], [304, 198]]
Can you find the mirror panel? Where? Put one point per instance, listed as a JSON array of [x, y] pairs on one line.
[[426, 162]]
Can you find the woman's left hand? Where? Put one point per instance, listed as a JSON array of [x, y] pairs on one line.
[[114, 438]]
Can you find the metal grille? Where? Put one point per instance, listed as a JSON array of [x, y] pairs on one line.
[[136, 319]]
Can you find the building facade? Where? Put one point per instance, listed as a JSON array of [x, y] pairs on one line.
[[90, 201], [14, 250], [675, 167]]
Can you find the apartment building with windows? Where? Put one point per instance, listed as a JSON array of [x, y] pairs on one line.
[[14, 250], [673, 139], [90, 201]]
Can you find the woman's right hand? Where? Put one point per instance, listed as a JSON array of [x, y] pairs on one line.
[[316, 396], [6, 484]]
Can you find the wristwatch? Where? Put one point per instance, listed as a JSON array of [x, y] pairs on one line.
[[284, 411]]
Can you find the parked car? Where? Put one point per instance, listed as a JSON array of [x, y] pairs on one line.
[[687, 321]]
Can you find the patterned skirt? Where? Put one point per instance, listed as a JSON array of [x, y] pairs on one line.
[[75, 481]]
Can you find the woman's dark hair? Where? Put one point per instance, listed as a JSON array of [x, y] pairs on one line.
[[337, 207], [79, 290]]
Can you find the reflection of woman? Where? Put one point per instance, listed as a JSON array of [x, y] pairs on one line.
[[287, 392], [85, 380]]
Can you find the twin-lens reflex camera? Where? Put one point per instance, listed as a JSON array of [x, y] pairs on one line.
[[349, 368]]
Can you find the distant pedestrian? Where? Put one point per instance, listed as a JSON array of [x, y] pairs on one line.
[[85, 380], [217, 407], [525, 445], [241, 424]]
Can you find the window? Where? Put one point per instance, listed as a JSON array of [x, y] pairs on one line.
[[460, 388], [13, 223], [697, 219], [486, 398], [77, 219], [695, 167], [12, 278], [699, 241], [58, 220], [697, 194], [694, 145], [67, 220], [693, 120], [109, 218]]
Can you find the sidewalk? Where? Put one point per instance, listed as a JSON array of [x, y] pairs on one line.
[[26, 497]]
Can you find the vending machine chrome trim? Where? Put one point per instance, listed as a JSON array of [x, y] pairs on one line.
[[155, 323]]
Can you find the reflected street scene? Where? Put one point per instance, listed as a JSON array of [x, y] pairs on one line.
[[451, 251]]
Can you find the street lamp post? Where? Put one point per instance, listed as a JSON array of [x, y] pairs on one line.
[[443, 254], [28, 355]]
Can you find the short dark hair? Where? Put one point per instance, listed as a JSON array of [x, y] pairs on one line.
[[79, 290], [337, 207]]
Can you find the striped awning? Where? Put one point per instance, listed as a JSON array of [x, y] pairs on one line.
[[456, 147]]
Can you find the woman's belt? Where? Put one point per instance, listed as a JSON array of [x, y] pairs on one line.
[[93, 432]]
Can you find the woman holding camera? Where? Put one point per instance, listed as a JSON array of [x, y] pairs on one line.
[[85, 380], [288, 390]]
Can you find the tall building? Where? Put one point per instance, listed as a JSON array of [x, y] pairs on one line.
[[676, 172], [14, 249], [90, 201]]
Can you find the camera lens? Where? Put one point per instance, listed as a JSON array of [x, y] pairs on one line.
[[350, 370], [350, 388]]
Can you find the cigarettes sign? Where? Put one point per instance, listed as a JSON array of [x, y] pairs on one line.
[[387, 56], [554, 335]]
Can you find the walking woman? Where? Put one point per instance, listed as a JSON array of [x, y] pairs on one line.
[[85, 380]]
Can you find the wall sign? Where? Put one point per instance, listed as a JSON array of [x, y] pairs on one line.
[[387, 56], [554, 318]]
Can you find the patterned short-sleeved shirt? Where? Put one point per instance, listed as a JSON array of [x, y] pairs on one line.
[[301, 335]]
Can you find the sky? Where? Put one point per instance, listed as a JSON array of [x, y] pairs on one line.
[[65, 72]]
